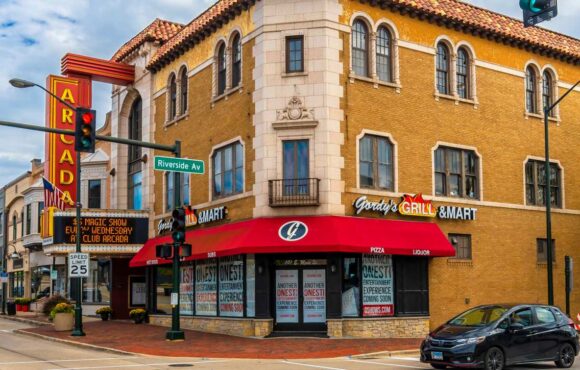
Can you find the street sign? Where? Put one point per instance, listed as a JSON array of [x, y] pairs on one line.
[[3, 277], [537, 11], [78, 265], [174, 299], [179, 165]]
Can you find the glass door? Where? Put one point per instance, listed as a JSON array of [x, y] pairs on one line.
[[287, 296]]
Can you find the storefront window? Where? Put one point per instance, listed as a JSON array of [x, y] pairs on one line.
[[377, 274], [250, 285], [206, 288], [97, 287], [186, 290], [231, 292], [40, 282], [59, 286], [163, 285], [351, 287], [17, 284]]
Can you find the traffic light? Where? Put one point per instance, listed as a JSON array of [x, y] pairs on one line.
[[537, 11], [85, 130], [178, 225], [164, 251]]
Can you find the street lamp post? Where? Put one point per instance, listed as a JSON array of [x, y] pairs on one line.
[[547, 199], [78, 329]]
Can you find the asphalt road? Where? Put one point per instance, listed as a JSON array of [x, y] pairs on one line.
[[19, 352]]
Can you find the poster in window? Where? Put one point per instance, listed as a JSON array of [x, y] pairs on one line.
[[250, 285], [231, 277], [377, 285], [287, 296], [186, 290], [138, 291], [314, 293], [206, 288]]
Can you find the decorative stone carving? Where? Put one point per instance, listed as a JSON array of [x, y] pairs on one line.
[[295, 115]]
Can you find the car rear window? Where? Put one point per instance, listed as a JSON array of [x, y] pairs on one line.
[[544, 315]]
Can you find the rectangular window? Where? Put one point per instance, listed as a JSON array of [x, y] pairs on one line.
[[536, 184], [95, 194], [40, 210], [228, 170], [376, 163], [351, 287], [456, 173], [186, 290], [135, 190], [206, 288], [462, 245], [377, 286], [169, 191], [1, 223], [412, 289], [28, 218], [296, 167], [184, 179], [231, 289], [294, 54], [163, 289], [542, 250], [97, 287], [250, 285], [17, 284]]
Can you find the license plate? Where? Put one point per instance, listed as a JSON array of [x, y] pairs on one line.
[[437, 355]]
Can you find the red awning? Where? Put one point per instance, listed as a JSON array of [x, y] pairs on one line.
[[308, 235]]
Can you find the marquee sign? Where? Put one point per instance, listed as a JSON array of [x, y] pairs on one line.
[[60, 154], [195, 217], [416, 206], [98, 230]]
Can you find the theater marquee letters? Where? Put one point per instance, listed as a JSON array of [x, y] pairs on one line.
[[414, 205]]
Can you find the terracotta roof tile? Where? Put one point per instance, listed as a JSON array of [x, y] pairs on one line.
[[159, 30]]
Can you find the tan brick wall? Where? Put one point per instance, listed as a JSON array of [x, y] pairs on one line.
[[228, 326], [504, 265], [207, 125], [392, 327]]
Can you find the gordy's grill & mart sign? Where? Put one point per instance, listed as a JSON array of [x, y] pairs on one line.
[[414, 205]]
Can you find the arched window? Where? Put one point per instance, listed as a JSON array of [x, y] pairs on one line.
[[463, 77], [14, 226], [236, 60], [384, 55], [183, 93], [548, 91], [222, 67], [376, 165], [531, 90], [172, 97], [443, 58], [134, 167], [360, 48]]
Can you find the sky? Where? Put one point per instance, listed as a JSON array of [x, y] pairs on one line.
[[35, 34]]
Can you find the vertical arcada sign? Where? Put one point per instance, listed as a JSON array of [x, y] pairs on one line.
[[61, 160]]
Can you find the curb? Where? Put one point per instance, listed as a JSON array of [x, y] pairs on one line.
[[73, 343], [386, 354], [25, 320]]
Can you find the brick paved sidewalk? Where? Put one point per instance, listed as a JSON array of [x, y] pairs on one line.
[[149, 339]]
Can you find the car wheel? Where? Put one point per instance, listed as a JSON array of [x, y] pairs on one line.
[[566, 356], [494, 359], [438, 366]]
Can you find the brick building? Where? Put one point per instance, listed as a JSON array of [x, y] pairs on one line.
[[372, 168]]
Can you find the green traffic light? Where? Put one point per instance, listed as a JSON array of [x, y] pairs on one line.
[[534, 6]]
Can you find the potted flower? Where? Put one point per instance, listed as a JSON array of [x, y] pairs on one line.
[[18, 302], [105, 312], [138, 315], [62, 317], [25, 304]]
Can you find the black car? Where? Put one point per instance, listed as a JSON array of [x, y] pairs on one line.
[[494, 336]]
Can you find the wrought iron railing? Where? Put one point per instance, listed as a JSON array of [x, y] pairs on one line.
[[294, 192]]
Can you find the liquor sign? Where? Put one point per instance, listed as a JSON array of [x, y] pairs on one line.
[[377, 286], [416, 206], [101, 230], [195, 217], [60, 153]]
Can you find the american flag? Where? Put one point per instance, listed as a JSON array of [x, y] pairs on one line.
[[53, 196]]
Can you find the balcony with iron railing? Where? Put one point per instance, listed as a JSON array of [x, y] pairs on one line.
[[294, 192]]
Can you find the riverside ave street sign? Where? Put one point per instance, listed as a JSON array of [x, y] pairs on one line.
[[179, 165]]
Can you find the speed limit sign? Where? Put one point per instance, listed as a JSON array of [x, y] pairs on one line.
[[78, 265]]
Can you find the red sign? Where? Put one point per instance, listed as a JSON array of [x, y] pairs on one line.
[[379, 310], [417, 206], [61, 160]]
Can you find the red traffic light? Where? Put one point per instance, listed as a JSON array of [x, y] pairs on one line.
[[87, 118]]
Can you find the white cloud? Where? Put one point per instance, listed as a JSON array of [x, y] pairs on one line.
[[98, 28]]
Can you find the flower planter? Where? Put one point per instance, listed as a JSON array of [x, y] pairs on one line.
[[18, 307], [105, 316], [63, 322], [25, 308], [139, 319]]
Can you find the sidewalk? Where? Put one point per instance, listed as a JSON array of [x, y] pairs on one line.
[[150, 340]]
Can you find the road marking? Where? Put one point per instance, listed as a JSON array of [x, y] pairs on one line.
[[7, 331], [389, 364], [137, 365], [416, 359], [68, 360], [310, 365]]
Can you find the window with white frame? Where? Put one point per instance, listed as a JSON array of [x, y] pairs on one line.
[[463, 77], [228, 170], [376, 164], [236, 60], [531, 90], [548, 89], [384, 54], [221, 69], [360, 48], [172, 91], [456, 173], [183, 87], [536, 183], [443, 67]]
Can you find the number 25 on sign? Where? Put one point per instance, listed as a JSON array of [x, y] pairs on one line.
[[78, 265]]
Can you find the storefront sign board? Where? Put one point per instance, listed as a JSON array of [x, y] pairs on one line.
[[377, 285], [287, 296], [314, 293], [101, 230], [195, 217]]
